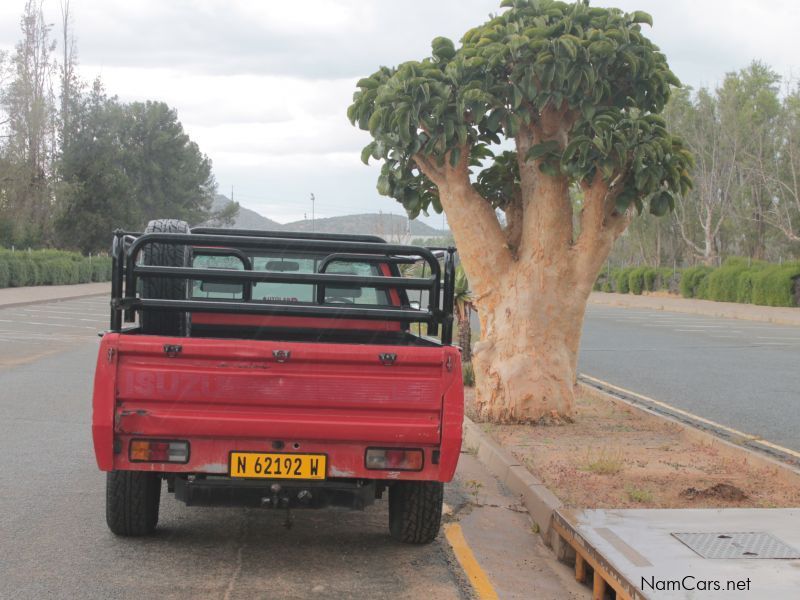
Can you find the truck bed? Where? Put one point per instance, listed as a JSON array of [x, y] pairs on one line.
[[238, 394]]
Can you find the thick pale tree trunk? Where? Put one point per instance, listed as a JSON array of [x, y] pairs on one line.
[[527, 356]]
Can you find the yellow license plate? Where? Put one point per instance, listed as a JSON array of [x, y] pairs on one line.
[[262, 465]]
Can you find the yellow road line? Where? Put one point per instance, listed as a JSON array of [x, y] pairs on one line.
[[736, 432], [477, 576]]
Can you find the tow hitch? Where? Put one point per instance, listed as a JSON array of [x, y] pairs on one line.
[[278, 500]]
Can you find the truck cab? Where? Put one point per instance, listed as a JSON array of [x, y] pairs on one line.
[[277, 370]]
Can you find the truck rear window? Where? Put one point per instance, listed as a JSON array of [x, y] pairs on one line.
[[289, 292]]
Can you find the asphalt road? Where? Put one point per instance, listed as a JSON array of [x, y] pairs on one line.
[[54, 542], [742, 374]]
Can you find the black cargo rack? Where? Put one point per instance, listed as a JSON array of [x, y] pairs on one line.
[[127, 271]]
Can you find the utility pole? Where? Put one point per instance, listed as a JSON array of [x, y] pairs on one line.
[[312, 213]]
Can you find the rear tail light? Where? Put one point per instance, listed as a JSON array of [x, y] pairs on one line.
[[394, 459], [159, 451]]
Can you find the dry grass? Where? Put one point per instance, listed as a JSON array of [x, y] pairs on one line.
[[603, 463], [614, 456]]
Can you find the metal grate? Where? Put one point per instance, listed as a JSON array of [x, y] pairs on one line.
[[753, 544]]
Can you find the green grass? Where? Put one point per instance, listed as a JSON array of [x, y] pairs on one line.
[[604, 463], [639, 495]]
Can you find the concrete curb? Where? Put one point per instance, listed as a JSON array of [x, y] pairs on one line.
[[708, 308], [13, 297], [540, 502]]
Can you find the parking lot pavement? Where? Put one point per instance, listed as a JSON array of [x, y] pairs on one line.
[[32, 331], [54, 542], [742, 374]]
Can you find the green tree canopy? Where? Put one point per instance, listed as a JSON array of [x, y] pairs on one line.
[[124, 165], [585, 80]]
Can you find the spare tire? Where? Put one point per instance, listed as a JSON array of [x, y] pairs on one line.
[[165, 322]]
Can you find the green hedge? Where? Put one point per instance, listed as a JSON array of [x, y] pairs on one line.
[[736, 280], [51, 267]]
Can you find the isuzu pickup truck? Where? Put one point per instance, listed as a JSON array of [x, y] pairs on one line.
[[277, 370]]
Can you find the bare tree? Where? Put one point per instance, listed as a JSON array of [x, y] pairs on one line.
[[708, 206], [28, 102], [780, 173]]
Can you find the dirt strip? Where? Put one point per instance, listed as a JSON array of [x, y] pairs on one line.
[[617, 456]]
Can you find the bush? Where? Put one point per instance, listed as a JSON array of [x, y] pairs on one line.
[[776, 285], [101, 268], [60, 271], [650, 279], [667, 279], [620, 277], [84, 271], [692, 279], [636, 280], [468, 374], [601, 281], [607, 287], [20, 271], [51, 267]]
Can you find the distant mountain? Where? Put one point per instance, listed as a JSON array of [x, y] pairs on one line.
[[385, 226], [246, 219], [390, 227]]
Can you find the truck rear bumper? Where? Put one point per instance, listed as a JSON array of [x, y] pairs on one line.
[[224, 491], [208, 456]]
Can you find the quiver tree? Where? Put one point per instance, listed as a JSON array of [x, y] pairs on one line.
[[576, 90]]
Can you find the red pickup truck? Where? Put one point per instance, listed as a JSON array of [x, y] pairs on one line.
[[277, 370]]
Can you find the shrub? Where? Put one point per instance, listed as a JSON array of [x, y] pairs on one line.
[[20, 271], [650, 277], [692, 279], [600, 282], [468, 374], [744, 287], [51, 267], [607, 287], [776, 285], [702, 288], [101, 268], [636, 280], [621, 280], [667, 279], [84, 270]]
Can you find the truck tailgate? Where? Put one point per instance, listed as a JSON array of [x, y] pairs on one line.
[[243, 389]]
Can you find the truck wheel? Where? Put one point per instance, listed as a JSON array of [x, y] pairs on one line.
[[415, 511], [164, 322], [132, 500]]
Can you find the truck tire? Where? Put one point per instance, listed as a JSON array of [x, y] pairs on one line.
[[165, 322], [132, 500], [415, 511]]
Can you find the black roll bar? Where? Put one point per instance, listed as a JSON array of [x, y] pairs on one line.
[[127, 246]]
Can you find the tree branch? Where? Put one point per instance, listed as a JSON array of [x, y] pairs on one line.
[[481, 241], [513, 212]]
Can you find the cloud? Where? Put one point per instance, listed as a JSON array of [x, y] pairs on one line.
[[263, 86]]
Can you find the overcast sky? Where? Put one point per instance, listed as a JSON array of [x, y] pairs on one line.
[[263, 86]]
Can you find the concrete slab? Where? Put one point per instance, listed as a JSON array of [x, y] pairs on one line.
[[639, 546], [728, 310], [503, 541], [22, 296]]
